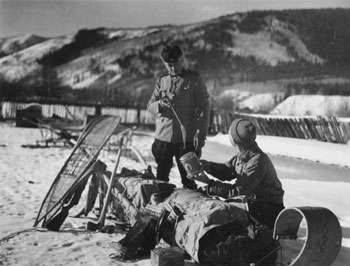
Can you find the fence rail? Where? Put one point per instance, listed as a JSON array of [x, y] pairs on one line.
[[322, 128], [328, 129]]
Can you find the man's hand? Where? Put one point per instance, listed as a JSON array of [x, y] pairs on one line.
[[205, 165], [224, 190], [202, 177], [165, 106], [199, 112], [198, 141]]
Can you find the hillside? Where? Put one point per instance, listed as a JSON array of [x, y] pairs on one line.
[[14, 44], [119, 66]]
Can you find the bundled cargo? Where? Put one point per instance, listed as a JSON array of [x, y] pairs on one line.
[[208, 230]]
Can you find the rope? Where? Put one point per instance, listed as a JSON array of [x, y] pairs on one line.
[[280, 263], [34, 229], [268, 254]]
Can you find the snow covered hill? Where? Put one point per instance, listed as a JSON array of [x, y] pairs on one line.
[[300, 105], [14, 44], [24, 63]]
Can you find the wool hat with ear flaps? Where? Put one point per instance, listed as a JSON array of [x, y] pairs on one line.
[[171, 54], [243, 132]]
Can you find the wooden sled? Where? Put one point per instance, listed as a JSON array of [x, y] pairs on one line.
[[56, 132]]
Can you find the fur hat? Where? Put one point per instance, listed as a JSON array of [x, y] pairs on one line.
[[171, 54], [243, 132]]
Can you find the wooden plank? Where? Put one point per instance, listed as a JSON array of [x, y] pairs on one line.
[[284, 128], [297, 128], [277, 124], [312, 129], [319, 130], [335, 127], [290, 128], [289, 132], [273, 127], [305, 128], [331, 130], [270, 127], [267, 126], [345, 129], [262, 127], [258, 126], [324, 128]]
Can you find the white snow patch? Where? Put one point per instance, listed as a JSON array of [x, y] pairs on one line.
[[128, 34], [260, 46], [261, 102], [300, 105]]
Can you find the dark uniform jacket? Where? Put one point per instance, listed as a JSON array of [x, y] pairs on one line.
[[254, 174], [189, 96]]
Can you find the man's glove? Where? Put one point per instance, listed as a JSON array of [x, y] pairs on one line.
[[165, 106], [223, 190], [199, 112], [205, 165], [201, 142]]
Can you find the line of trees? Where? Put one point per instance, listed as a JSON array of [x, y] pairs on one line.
[[82, 40]]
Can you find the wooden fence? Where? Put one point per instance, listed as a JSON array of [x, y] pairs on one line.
[[128, 116], [328, 129]]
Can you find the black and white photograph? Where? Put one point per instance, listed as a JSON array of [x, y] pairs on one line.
[[175, 133]]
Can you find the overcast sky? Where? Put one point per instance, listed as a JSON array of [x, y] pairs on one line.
[[60, 17]]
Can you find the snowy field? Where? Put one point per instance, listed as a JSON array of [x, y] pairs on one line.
[[26, 175]]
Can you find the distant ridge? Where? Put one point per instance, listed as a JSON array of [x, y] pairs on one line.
[[110, 65]]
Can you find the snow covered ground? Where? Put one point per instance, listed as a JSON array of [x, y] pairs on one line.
[[26, 175]]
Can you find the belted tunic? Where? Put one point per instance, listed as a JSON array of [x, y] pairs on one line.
[[188, 93]]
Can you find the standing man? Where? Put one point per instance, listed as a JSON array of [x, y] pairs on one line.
[[181, 102]]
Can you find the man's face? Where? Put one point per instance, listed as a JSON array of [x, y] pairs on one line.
[[173, 68]]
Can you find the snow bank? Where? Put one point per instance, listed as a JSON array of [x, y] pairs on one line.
[[323, 152]]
